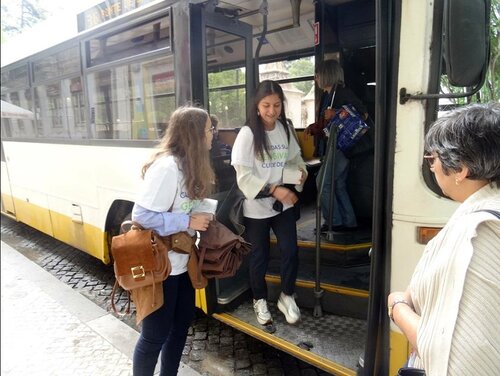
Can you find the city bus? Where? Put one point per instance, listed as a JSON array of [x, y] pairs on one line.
[[92, 106]]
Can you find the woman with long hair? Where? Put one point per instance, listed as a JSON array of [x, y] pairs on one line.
[[175, 180], [261, 151]]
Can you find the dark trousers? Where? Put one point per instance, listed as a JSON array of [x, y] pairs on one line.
[[257, 231], [166, 329]]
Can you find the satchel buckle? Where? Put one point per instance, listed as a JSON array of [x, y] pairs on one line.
[[138, 272]]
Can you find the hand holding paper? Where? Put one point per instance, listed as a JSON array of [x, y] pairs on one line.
[[207, 206], [292, 176]]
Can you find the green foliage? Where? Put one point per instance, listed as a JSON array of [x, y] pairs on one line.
[[300, 68], [19, 15], [227, 104], [491, 90]]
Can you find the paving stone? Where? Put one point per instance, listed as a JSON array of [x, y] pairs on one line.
[[213, 339], [242, 363], [226, 341], [259, 369], [196, 355], [200, 335], [213, 347], [199, 345]]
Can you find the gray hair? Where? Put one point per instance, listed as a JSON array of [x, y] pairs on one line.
[[468, 136], [329, 73]]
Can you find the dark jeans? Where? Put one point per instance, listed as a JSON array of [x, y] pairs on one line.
[[285, 229], [343, 212], [166, 329]]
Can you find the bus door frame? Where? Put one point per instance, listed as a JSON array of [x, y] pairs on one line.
[[8, 207], [201, 18]]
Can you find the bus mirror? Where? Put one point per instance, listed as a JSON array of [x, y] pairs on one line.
[[466, 41]]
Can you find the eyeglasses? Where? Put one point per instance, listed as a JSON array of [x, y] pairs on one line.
[[211, 129], [430, 159]]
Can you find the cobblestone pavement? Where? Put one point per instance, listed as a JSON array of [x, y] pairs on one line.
[[212, 347]]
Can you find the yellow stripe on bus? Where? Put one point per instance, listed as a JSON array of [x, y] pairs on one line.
[[329, 246], [83, 236], [399, 351], [330, 288]]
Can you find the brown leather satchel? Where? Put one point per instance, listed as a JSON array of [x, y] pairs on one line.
[[220, 251], [140, 260], [180, 242]]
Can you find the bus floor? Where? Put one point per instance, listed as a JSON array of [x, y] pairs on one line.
[[306, 227], [338, 339]]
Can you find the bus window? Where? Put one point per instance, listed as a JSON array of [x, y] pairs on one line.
[[18, 126], [60, 110], [226, 86], [56, 65], [151, 36], [132, 101], [14, 78], [298, 87]]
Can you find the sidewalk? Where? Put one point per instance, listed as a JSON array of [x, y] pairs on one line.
[[49, 329]]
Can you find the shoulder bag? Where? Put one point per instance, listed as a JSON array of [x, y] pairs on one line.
[[220, 251], [140, 259]]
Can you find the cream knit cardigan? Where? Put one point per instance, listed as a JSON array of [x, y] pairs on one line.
[[437, 291]]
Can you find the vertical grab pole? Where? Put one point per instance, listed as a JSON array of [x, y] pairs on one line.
[[330, 149]]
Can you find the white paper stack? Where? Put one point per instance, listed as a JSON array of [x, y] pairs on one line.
[[291, 176]]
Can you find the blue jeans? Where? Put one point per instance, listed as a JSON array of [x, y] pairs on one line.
[[257, 232], [166, 329], [343, 212]]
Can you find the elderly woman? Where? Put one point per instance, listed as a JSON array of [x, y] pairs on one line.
[[449, 313], [330, 78]]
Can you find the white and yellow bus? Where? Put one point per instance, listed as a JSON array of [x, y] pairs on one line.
[[92, 106]]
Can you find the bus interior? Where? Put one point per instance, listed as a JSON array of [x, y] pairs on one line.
[[332, 288]]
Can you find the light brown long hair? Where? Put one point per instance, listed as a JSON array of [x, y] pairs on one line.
[[185, 139]]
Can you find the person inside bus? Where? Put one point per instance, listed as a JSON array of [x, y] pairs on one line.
[[219, 154], [449, 312], [175, 179], [330, 78], [262, 149]]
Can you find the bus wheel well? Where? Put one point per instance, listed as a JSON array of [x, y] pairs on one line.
[[118, 212]]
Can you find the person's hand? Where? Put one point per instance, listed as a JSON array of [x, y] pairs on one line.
[[404, 295], [307, 130], [285, 195], [393, 296], [329, 113], [200, 221]]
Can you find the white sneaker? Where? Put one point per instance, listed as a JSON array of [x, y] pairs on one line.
[[261, 311], [287, 305]]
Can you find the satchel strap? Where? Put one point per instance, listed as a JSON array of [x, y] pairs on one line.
[[127, 310], [332, 93], [133, 226], [113, 292]]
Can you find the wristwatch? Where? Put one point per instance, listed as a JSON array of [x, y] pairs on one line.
[[391, 307]]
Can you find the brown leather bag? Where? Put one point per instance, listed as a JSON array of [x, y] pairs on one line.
[[140, 260], [220, 251], [180, 242]]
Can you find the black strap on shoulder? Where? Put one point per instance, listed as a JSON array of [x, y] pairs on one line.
[[494, 212]]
